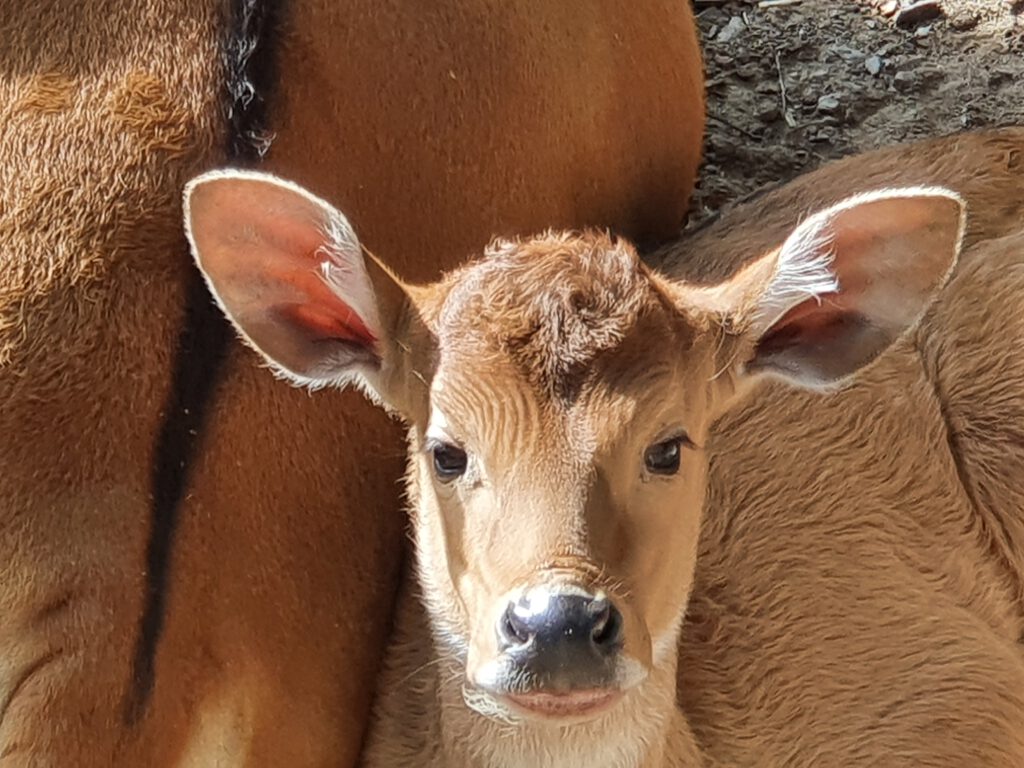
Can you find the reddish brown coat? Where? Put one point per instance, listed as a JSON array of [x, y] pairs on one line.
[[436, 124]]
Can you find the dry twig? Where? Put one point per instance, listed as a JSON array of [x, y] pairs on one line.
[[782, 93]]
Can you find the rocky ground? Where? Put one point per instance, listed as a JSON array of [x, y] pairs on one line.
[[793, 83]]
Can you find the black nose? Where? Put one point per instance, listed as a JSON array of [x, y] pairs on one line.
[[560, 625]]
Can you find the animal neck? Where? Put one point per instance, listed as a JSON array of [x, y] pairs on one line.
[[645, 730]]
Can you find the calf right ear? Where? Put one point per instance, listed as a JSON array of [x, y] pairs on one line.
[[289, 273], [845, 285]]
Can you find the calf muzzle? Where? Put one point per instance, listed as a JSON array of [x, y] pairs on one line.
[[562, 641]]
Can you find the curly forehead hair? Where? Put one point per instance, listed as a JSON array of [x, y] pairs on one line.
[[551, 304]]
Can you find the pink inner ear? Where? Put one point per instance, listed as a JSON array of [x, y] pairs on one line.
[[321, 312], [329, 326], [882, 257], [826, 309], [804, 322], [297, 261], [288, 270], [810, 323]]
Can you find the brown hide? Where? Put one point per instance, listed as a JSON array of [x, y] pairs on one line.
[[858, 591], [449, 123], [101, 120], [434, 126]]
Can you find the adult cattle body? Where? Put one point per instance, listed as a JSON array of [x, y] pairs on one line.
[[196, 565], [567, 407]]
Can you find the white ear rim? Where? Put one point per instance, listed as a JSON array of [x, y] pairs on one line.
[[804, 267], [343, 253]]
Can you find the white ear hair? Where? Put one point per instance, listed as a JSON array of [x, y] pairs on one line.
[[803, 271], [804, 268], [344, 270]]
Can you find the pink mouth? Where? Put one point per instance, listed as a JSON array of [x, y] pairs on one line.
[[565, 705]]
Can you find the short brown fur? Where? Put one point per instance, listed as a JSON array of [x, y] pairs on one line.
[[855, 594], [427, 123], [857, 599]]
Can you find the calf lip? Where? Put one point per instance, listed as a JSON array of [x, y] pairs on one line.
[[571, 706]]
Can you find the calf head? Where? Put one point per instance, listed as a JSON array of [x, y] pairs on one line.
[[558, 395]]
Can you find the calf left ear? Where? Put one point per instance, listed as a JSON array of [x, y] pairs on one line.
[[846, 284], [288, 271]]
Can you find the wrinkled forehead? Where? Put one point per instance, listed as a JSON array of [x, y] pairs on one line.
[[547, 310], [524, 435], [553, 335]]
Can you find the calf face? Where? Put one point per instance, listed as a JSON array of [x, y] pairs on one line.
[[558, 396]]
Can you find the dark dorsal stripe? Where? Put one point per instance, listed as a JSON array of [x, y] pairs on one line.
[[203, 341]]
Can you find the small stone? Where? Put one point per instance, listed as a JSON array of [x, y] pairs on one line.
[[732, 30], [747, 71], [931, 74], [848, 54], [828, 104], [913, 63], [964, 21], [767, 86], [997, 77], [904, 81], [918, 13], [889, 7], [714, 16], [873, 64], [768, 112], [824, 135], [923, 31]]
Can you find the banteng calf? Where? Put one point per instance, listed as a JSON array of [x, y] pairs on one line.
[[559, 396]]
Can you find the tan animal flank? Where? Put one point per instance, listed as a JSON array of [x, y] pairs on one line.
[[858, 599], [558, 395]]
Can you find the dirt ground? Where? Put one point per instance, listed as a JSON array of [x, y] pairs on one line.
[[793, 83]]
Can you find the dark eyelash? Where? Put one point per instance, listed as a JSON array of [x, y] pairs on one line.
[[684, 440], [432, 444]]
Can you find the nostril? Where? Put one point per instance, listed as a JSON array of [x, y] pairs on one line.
[[607, 627], [600, 611], [512, 630]]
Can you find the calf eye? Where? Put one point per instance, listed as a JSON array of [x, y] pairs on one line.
[[663, 458], [449, 461]]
